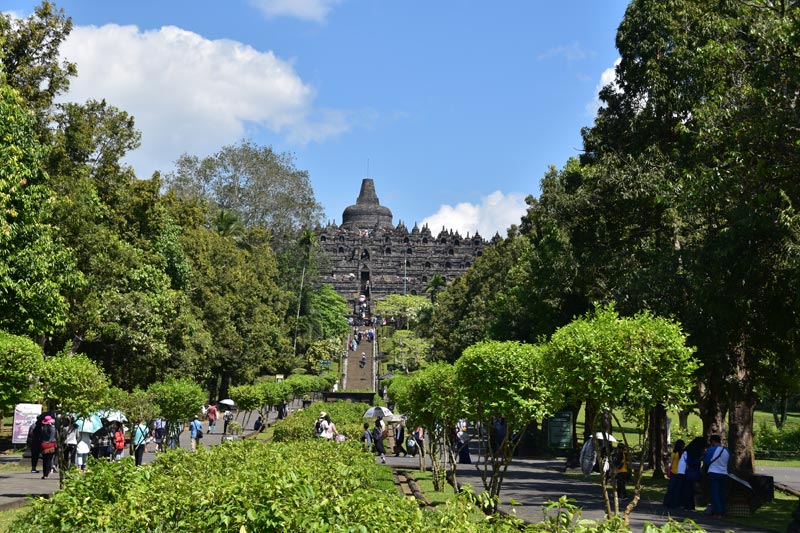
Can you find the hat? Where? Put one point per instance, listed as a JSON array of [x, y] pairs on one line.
[[48, 420], [323, 414], [195, 417]]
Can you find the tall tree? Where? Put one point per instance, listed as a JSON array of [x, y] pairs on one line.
[[262, 187]]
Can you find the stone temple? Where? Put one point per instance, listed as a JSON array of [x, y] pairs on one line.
[[371, 258]]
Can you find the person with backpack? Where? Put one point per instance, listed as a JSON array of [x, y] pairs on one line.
[[119, 442], [195, 432], [227, 420], [48, 444], [715, 464]]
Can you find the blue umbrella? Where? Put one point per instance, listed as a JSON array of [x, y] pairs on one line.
[[90, 424]]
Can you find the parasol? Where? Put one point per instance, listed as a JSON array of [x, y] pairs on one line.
[[377, 411], [89, 424], [228, 402]]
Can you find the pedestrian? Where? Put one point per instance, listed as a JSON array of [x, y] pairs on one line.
[[82, 449], [363, 362], [227, 419], [259, 425], [195, 432], [366, 438], [118, 441], [623, 464], [672, 498], [419, 438], [462, 442], [377, 438], [691, 458], [140, 434], [399, 439], [212, 417], [715, 464], [71, 442], [34, 442], [48, 444]]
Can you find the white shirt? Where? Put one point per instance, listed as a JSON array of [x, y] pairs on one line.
[[85, 443], [719, 460]]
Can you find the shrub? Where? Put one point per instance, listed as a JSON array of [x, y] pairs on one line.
[[311, 485], [767, 437], [300, 426]]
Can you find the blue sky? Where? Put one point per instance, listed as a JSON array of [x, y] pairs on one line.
[[455, 108]]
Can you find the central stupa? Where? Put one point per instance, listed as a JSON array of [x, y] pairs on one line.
[[367, 213]]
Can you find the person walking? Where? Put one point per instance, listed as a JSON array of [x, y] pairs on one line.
[[195, 432], [366, 438], [48, 445], [715, 463], [622, 461], [378, 434], [399, 439], [672, 498], [118, 441], [71, 437], [140, 433], [212, 417], [227, 419], [34, 442]]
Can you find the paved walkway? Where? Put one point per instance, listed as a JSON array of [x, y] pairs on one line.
[[531, 483]]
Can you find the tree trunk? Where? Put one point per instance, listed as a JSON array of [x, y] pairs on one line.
[[712, 412], [683, 419], [740, 436], [658, 441]]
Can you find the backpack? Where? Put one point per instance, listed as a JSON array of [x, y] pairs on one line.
[[119, 440], [318, 427], [377, 434]]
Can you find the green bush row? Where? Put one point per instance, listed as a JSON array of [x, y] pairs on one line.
[[346, 416], [767, 437], [310, 485]]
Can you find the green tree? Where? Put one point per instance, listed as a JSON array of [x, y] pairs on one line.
[[71, 383], [404, 308], [502, 379], [631, 364], [20, 360], [407, 349], [36, 269], [435, 286], [29, 51], [178, 400], [262, 187]]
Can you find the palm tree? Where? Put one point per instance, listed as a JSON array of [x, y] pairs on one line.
[[306, 242], [227, 224], [435, 286]]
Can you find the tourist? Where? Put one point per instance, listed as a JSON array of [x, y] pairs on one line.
[[227, 420], [195, 432], [212, 417], [462, 442], [48, 444], [366, 438], [399, 438], [259, 425], [378, 436], [71, 437], [419, 438], [623, 464], [691, 458], [363, 362], [672, 498], [82, 449], [715, 463], [34, 442], [140, 435], [118, 440]]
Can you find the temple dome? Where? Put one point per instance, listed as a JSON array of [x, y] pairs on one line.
[[367, 213]]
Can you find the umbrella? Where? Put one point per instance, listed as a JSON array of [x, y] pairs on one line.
[[90, 424], [377, 411], [112, 415], [605, 436], [227, 401]]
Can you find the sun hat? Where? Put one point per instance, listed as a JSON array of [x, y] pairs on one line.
[[48, 420], [323, 414]]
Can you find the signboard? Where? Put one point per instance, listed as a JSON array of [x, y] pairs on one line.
[[278, 377], [24, 417], [325, 362], [559, 430]]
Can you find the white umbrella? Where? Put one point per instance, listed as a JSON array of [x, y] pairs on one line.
[[112, 415], [377, 410], [605, 436], [227, 401]]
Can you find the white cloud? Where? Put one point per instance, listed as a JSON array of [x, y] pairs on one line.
[[191, 94], [570, 52], [609, 75], [314, 10], [495, 214]]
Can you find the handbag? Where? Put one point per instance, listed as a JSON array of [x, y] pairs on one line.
[[48, 448], [199, 433]]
